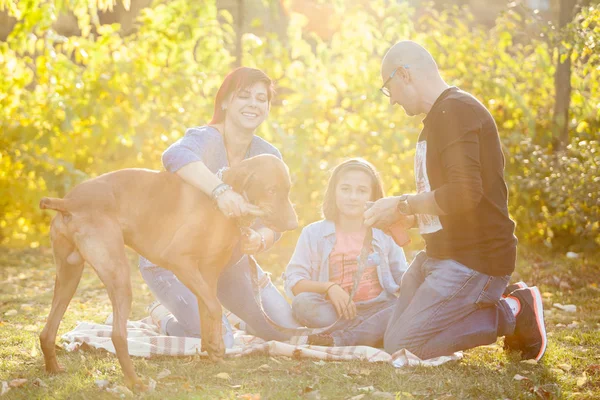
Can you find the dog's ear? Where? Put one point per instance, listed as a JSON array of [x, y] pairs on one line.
[[238, 177]]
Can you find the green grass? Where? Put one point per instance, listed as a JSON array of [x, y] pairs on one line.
[[569, 369]]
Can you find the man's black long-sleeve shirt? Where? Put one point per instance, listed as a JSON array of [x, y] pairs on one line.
[[459, 157]]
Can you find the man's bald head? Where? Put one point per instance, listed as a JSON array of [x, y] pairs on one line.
[[411, 78], [409, 53]]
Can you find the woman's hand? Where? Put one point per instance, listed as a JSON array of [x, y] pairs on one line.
[[344, 306], [251, 242], [233, 205]]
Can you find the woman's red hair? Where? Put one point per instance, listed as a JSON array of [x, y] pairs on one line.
[[239, 78]]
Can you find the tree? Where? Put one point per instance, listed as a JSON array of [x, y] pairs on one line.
[[562, 77]]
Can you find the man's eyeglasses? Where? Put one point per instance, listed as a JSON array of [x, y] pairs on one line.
[[384, 89]]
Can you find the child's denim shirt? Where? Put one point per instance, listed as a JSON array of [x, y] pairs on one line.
[[316, 242]]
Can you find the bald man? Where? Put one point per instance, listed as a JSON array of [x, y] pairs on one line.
[[455, 294]]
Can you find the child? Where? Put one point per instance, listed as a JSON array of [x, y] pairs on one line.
[[320, 275]]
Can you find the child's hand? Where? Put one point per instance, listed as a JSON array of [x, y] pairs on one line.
[[341, 301]]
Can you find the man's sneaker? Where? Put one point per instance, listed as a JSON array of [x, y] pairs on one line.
[[530, 331], [511, 288], [322, 339]]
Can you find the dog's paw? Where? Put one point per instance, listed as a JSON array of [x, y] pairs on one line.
[[216, 358], [55, 369], [136, 385]]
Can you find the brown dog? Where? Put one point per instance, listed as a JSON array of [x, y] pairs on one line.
[[169, 222]]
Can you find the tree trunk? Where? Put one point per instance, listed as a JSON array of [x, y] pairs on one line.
[[562, 81]]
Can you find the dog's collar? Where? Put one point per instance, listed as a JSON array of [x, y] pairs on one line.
[[245, 221]]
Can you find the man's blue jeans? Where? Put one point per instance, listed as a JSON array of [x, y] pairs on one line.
[[445, 307]]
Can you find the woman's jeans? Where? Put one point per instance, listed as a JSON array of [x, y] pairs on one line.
[[235, 294], [444, 307]]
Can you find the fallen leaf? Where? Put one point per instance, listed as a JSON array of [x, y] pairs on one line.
[[582, 380], [306, 389], [264, 368], [10, 313], [15, 383], [593, 369], [187, 386], [566, 307], [320, 362], [275, 360], [518, 377], [565, 367], [314, 395], [542, 393], [366, 389], [102, 383], [4, 389], [163, 374], [235, 386], [39, 382], [223, 375]]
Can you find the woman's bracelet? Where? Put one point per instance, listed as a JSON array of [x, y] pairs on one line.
[[219, 190], [330, 286]]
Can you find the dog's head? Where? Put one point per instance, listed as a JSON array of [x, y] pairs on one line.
[[265, 181]]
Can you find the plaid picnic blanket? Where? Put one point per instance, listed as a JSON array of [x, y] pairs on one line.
[[145, 340]]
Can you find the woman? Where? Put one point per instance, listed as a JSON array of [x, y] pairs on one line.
[[199, 158], [320, 275]]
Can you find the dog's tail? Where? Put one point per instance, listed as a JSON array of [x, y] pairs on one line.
[[54, 204]]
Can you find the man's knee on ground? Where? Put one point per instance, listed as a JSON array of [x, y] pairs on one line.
[[402, 339], [312, 310]]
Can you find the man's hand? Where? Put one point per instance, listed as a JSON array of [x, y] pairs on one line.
[[342, 303], [251, 242], [383, 213]]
